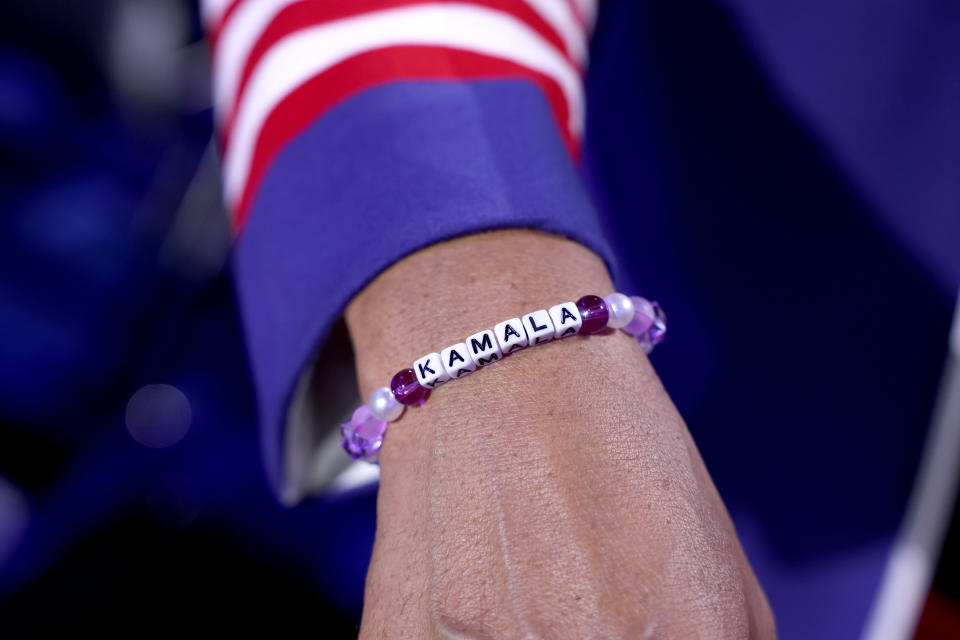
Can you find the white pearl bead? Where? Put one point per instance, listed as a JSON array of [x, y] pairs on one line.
[[384, 406], [621, 310]]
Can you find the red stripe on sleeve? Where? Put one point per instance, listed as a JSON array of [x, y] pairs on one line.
[[214, 31], [301, 15]]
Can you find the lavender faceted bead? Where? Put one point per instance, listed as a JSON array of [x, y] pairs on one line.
[[407, 390], [362, 435], [593, 311], [642, 317], [649, 324], [657, 331]]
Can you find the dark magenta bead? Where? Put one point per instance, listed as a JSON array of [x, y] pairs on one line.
[[594, 313], [407, 390]]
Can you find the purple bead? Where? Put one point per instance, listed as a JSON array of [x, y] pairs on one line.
[[362, 435], [657, 331], [407, 390], [642, 317], [594, 313]]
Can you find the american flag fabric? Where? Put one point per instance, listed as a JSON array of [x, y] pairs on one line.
[[280, 64]]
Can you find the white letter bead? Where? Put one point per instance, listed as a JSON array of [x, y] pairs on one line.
[[483, 348], [510, 335], [457, 361], [538, 326], [430, 372], [566, 319]]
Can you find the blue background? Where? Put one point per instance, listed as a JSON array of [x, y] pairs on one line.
[[806, 336]]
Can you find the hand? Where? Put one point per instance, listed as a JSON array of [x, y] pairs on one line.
[[556, 494]]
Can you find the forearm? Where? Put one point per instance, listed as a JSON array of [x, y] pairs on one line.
[[557, 493]]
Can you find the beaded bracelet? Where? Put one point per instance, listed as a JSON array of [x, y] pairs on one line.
[[362, 435]]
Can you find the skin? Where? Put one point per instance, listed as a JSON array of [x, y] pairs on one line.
[[557, 494]]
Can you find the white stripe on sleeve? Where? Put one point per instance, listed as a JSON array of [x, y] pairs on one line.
[[234, 45], [558, 15]]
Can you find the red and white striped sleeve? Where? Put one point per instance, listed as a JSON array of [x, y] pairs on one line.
[[280, 64]]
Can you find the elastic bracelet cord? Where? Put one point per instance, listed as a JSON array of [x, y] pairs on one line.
[[363, 433]]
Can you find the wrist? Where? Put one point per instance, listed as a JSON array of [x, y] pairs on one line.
[[445, 292]]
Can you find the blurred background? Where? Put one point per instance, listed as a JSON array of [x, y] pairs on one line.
[[132, 495]]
